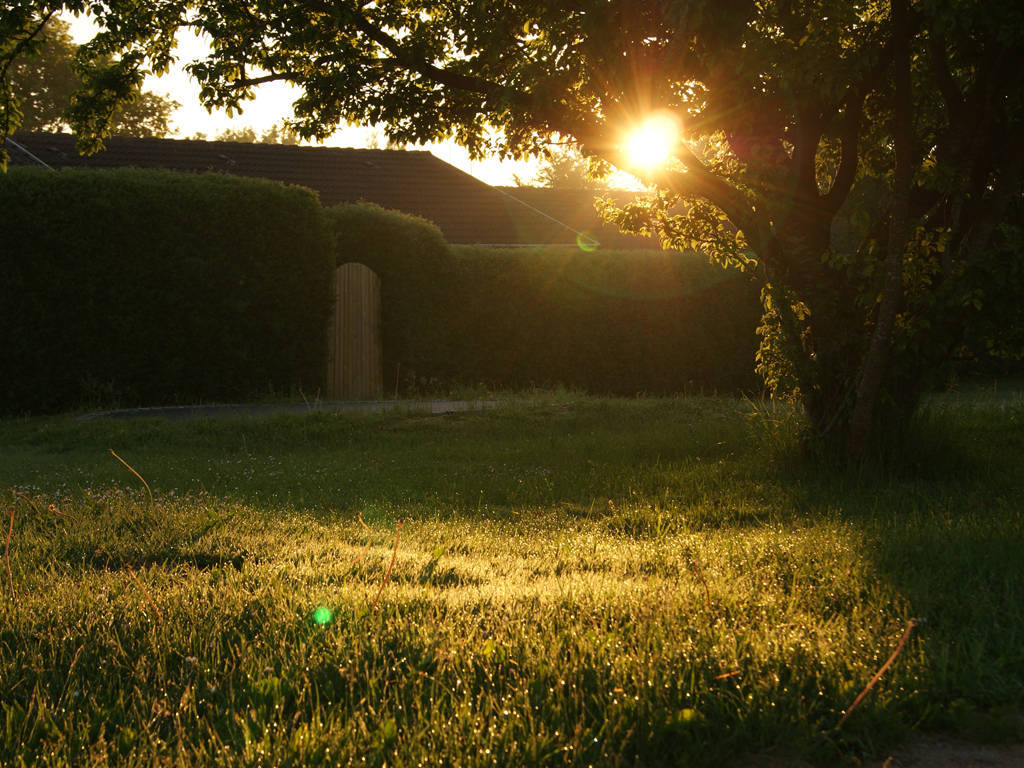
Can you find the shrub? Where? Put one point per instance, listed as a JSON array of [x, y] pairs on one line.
[[147, 287], [617, 322]]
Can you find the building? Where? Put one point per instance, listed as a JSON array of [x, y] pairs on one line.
[[466, 210]]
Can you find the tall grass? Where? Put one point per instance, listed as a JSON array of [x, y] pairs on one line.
[[578, 581]]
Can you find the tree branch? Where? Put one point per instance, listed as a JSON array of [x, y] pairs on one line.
[[805, 151], [852, 106], [853, 112], [990, 211], [439, 75], [697, 181], [943, 76], [246, 82], [9, 58]]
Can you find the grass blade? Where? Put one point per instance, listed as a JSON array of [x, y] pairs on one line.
[[132, 470], [394, 556], [7, 555], [369, 540]]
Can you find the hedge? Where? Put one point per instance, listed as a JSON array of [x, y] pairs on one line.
[[616, 322], [140, 287], [610, 322]]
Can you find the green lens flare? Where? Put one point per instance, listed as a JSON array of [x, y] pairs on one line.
[[323, 615], [586, 242]]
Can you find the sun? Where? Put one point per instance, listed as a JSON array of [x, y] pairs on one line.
[[652, 142]]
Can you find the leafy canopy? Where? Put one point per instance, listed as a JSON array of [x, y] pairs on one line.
[[45, 83]]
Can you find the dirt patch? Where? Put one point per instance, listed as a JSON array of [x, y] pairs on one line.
[[941, 752], [919, 752]]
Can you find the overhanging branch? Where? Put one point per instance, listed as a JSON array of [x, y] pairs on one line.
[[440, 75], [247, 82], [852, 107]]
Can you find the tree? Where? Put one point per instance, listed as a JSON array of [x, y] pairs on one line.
[[45, 82], [856, 157], [566, 168], [375, 141], [276, 134]]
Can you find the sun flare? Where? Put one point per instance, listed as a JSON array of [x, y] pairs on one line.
[[652, 142]]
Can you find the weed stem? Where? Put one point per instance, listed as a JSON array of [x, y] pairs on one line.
[[879, 673], [30, 502]]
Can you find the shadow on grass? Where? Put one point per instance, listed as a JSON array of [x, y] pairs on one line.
[[658, 454], [941, 525]]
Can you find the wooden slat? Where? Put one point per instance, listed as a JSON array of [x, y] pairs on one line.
[[355, 369]]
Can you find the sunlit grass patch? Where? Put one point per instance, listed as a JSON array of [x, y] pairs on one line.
[[588, 582]]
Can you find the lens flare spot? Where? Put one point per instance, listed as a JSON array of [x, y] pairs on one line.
[[586, 243], [323, 615]]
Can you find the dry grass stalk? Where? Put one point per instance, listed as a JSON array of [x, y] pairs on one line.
[[31, 503], [7, 555], [145, 592], [62, 515], [51, 508], [369, 540], [700, 577], [394, 556], [132, 470], [871, 684]]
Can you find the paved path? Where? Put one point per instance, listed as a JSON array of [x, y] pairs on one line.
[[175, 413]]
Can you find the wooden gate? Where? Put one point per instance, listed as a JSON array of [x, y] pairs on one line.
[[355, 369]]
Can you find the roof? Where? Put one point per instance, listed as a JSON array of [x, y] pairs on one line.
[[465, 209], [574, 208]]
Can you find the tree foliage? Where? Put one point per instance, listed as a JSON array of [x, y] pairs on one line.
[[566, 168], [45, 82], [856, 157], [275, 134]]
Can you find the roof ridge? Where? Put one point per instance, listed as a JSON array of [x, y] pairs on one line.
[[221, 142]]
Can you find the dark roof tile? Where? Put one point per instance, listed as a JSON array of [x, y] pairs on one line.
[[465, 209], [573, 208]]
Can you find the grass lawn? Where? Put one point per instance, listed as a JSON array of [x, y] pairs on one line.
[[559, 581]]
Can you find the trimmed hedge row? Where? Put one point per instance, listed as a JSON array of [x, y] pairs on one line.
[[151, 287], [610, 322], [617, 322]]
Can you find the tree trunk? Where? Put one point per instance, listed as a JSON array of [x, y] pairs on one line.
[[876, 360]]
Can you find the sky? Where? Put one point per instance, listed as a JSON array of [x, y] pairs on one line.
[[273, 103]]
